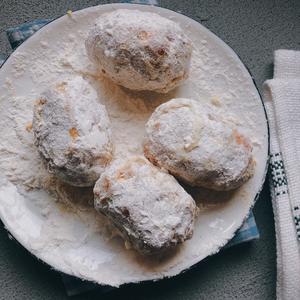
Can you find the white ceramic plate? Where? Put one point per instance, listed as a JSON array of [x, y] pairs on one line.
[[73, 238]]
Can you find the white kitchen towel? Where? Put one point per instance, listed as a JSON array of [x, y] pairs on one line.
[[282, 102]]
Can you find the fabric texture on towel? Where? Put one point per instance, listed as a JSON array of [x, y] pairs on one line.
[[282, 101], [247, 232]]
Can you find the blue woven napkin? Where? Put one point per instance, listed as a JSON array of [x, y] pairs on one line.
[[248, 231]]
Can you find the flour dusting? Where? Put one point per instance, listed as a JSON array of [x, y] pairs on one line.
[[58, 223]]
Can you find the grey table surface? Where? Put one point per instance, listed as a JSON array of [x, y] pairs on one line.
[[254, 29]]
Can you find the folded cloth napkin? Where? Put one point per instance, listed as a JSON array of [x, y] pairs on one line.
[[247, 232], [282, 101]]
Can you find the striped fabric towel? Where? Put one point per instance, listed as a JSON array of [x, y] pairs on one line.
[[248, 231], [282, 101]]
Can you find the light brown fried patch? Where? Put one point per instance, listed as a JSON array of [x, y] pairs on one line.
[[61, 87], [29, 127], [41, 101], [156, 126], [73, 133], [140, 160], [216, 101], [240, 139], [124, 173], [179, 78], [106, 184], [144, 35], [105, 159], [174, 106]]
